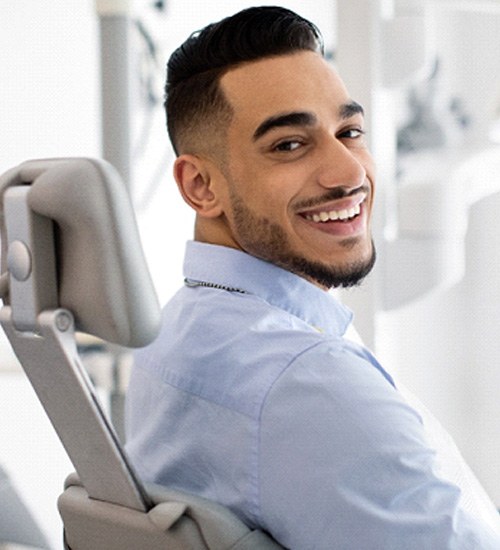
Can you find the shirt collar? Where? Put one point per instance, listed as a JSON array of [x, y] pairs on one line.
[[232, 268]]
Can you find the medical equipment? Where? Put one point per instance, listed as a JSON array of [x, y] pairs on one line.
[[72, 261]]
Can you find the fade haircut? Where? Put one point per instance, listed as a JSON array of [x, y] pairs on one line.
[[197, 111]]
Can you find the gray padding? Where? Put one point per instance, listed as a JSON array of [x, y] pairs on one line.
[[102, 275], [176, 522]]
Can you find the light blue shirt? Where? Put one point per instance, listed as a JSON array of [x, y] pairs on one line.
[[252, 396]]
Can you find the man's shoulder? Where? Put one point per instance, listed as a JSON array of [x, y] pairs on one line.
[[228, 347], [245, 319]]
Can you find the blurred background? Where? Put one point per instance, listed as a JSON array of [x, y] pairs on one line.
[[85, 78]]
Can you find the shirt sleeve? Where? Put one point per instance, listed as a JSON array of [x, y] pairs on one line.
[[345, 464]]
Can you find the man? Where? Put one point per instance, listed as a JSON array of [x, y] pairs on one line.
[[252, 396]]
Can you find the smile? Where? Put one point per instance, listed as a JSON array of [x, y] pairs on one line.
[[333, 215]]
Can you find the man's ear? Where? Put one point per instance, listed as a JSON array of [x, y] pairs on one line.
[[194, 177]]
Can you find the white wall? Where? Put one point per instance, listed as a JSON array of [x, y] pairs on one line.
[[49, 92]]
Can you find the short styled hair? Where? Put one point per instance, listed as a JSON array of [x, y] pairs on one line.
[[195, 106]]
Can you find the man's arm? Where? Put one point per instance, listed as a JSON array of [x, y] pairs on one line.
[[345, 463]]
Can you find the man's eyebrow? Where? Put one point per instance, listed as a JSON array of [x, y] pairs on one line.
[[298, 118], [347, 110], [303, 118]]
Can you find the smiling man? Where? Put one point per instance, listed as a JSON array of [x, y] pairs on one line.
[[297, 177], [252, 395]]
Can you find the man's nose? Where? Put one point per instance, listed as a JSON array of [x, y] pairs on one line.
[[340, 166]]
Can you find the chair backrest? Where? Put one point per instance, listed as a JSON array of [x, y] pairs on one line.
[[72, 260]]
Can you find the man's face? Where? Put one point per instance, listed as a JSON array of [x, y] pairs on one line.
[[299, 184]]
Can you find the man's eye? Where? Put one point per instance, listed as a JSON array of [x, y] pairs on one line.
[[352, 133], [288, 145]]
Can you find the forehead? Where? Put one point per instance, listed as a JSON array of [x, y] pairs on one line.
[[301, 81]]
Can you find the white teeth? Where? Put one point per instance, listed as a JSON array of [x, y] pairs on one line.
[[335, 215]]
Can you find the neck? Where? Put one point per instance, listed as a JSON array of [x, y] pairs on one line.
[[214, 231]]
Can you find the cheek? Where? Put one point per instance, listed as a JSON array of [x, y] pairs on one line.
[[262, 193], [269, 189], [368, 164]]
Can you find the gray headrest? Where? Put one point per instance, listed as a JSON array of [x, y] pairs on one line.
[[102, 274]]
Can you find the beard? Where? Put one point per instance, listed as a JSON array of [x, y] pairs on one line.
[[268, 241]]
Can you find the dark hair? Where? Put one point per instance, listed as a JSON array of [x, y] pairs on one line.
[[192, 94]]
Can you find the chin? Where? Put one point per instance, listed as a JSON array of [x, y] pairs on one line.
[[345, 274]]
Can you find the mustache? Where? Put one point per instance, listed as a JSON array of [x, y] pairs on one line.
[[333, 194]]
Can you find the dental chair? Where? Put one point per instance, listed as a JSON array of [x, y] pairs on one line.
[[72, 262]]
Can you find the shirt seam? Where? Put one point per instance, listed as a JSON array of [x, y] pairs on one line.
[[205, 398], [258, 518]]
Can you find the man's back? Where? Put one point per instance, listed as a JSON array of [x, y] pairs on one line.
[[252, 397]]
